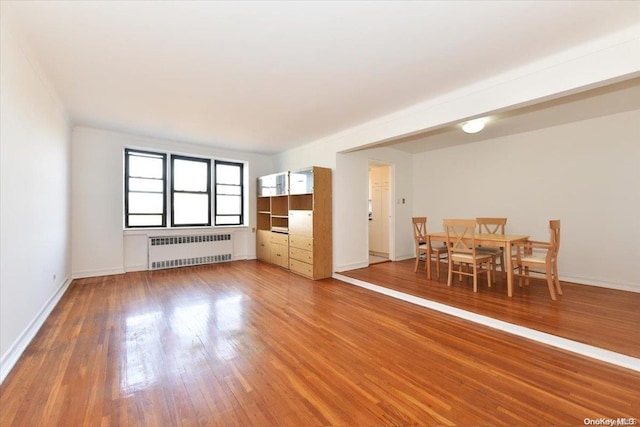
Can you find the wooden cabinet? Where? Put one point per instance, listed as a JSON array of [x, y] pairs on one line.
[[273, 247], [306, 224]]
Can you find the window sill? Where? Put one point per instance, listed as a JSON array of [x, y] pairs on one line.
[[178, 231]]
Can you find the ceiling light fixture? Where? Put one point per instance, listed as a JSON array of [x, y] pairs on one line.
[[473, 126]]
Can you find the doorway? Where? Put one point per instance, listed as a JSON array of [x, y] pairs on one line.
[[379, 212]]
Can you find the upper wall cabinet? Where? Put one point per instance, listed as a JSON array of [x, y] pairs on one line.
[[301, 182], [274, 185]]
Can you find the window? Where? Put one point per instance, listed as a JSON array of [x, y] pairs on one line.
[[190, 191], [229, 193], [145, 189], [149, 176]]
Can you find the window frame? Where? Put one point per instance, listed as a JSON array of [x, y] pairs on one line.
[[127, 177], [174, 191], [241, 195]]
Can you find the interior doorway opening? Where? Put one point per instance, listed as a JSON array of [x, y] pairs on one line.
[[379, 212]]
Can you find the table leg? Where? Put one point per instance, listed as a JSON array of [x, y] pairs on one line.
[[507, 255]]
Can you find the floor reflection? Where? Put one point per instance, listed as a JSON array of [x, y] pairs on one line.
[[142, 351], [229, 319]]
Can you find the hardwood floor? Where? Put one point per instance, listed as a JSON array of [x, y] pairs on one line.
[[249, 344], [601, 317]]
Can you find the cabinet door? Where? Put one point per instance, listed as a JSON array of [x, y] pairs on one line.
[[301, 182], [263, 245], [301, 223], [280, 255]]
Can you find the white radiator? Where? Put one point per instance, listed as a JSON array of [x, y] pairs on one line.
[[181, 251]]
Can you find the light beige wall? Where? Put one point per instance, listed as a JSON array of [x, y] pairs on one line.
[[585, 173]]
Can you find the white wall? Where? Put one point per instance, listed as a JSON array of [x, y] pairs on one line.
[[587, 174], [34, 200], [100, 244], [594, 64]]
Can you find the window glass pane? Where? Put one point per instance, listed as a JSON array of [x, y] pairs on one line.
[[228, 205], [142, 184], [228, 220], [147, 167], [228, 174], [145, 203], [189, 175], [145, 220], [229, 189], [190, 209]]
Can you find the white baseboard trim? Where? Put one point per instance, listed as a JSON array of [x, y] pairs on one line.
[[10, 358], [132, 268], [353, 266], [629, 287], [95, 273], [593, 352]]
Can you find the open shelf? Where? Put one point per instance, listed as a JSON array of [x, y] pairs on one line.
[[301, 202]]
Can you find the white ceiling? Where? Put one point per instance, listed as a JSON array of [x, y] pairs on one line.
[[267, 76]]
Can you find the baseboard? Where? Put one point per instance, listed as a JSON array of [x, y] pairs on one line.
[[353, 266], [132, 268], [96, 273], [629, 287], [12, 355]]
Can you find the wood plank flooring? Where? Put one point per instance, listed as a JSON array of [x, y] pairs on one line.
[[249, 344], [601, 317]]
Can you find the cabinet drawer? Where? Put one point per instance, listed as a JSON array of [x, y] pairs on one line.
[[301, 255], [301, 222], [301, 268], [301, 242], [279, 239]]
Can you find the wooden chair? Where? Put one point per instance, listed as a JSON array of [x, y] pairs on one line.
[[493, 226], [420, 236], [542, 256], [463, 250]]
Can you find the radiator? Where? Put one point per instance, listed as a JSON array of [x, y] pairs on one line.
[[181, 251]]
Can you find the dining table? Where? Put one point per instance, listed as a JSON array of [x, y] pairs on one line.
[[504, 241]]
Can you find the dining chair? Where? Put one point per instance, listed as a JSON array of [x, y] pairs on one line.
[[420, 236], [493, 226], [543, 257], [463, 250]]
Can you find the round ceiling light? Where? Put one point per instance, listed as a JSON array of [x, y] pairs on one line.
[[473, 126]]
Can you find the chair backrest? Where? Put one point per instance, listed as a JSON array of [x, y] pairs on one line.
[[491, 225], [419, 229], [461, 234], [554, 238]]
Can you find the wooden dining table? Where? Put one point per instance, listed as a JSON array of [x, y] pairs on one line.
[[505, 241]]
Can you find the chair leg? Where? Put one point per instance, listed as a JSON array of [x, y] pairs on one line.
[[475, 277], [550, 283], [489, 274], [557, 279], [494, 269], [519, 270], [450, 274], [437, 266], [502, 264], [415, 267]]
